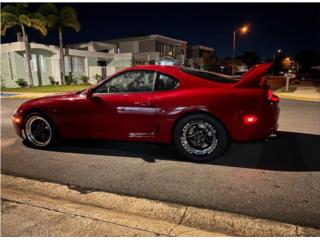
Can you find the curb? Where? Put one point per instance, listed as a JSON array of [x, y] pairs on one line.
[[297, 98], [22, 95], [78, 215], [204, 219]]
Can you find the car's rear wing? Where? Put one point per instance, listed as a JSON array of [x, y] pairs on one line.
[[254, 77]]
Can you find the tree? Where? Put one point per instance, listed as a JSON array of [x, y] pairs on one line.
[[59, 19], [308, 59], [277, 64], [18, 16], [250, 58]]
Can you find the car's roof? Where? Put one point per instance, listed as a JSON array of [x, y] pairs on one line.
[[160, 68]]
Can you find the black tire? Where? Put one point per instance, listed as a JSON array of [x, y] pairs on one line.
[[30, 140], [220, 139]]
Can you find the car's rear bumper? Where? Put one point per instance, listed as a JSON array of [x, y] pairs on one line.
[[266, 124], [273, 119]]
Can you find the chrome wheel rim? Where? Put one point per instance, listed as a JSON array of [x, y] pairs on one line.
[[38, 131], [199, 137]]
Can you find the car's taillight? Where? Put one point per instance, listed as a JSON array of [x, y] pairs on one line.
[[271, 97], [250, 119]]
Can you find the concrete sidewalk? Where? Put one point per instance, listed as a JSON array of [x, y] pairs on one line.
[[34, 208], [305, 91]]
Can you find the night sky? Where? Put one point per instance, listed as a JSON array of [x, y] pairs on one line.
[[293, 27]]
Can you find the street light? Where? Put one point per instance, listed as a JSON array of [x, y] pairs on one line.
[[242, 30], [274, 59]]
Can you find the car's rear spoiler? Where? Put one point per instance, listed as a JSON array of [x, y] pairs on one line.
[[253, 77]]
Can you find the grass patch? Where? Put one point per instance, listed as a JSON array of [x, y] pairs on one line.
[[291, 89], [48, 89]]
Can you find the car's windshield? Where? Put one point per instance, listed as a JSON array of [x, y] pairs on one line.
[[209, 75]]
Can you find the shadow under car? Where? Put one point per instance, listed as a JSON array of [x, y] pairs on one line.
[[289, 152]]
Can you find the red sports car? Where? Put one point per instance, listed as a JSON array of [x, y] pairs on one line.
[[197, 111]]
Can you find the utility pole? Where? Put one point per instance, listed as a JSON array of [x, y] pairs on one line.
[[241, 30]]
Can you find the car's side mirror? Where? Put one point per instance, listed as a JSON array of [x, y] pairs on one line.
[[89, 93]]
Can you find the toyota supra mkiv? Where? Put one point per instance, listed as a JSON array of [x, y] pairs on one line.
[[199, 112]]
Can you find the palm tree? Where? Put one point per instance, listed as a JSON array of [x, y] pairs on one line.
[[18, 16], [59, 19]]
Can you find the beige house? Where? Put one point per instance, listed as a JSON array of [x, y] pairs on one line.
[[198, 56], [153, 46]]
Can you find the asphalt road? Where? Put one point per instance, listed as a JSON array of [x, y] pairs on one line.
[[277, 180]]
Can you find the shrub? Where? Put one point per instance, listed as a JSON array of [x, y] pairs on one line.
[[21, 82], [98, 77], [84, 79], [69, 79], [75, 80], [52, 81]]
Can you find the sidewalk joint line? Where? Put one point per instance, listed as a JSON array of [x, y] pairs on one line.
[[182, 217]]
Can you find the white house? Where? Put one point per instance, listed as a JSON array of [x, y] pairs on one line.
[[87, 59]]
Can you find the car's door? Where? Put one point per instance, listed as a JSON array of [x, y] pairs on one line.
[[169, 104], [126, 106]]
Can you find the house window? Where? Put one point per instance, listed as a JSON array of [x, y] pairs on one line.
[[200, 53], [78, 64], [67, 63], [42, 61], [33, 62]]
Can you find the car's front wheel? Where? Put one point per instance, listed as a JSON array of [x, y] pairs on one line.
[[39, 130], [200, 137]]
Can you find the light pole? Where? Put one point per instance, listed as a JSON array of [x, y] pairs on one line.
[[242, 30], [274, 59]]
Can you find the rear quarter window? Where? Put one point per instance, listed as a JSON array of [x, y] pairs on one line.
[[215, 77], [165, 82]]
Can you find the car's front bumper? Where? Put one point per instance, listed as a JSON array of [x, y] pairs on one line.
[[17, 124]]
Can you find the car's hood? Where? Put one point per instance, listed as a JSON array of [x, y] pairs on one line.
[[53, 97]]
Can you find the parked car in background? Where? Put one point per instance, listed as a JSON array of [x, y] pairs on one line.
[[199, 112]]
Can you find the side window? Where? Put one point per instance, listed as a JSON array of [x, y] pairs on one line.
[[165, 82], [132, 81]]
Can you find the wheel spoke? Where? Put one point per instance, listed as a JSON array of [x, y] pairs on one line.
[[191, 136]]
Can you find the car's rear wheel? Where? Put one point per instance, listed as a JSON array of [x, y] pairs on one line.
[[39, 130], [200, 137]]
